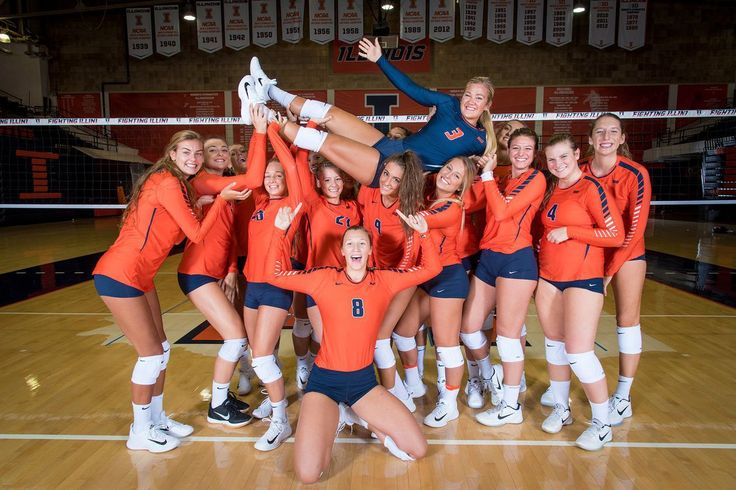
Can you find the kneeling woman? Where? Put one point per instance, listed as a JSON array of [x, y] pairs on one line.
[[352, 301]]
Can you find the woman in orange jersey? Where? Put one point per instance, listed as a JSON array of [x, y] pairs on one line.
[[159, 215], [505, 277], [442, 297], [353, 301], [213, 260], [579, 220], [626, 267]]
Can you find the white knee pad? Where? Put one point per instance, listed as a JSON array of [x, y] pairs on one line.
[[232, 349], [266, 368], [509, 349], [147, 369], [451, 357], [383, 355], [310, 138], [586, 367], [314, 109], [629, 339], [167, 354], [555, 352], [404, 344], [523, 330], [302, 328], [474, 340]]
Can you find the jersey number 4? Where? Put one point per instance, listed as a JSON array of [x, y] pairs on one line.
[[552, 213], [358, 310]]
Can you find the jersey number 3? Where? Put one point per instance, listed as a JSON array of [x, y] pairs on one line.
[[358, 310], [552, 213]]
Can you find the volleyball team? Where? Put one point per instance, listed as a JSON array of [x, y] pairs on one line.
[[450, 226]]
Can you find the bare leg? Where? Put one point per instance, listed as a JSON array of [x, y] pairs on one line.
[[343, 123], [315, 435], [390, 319], [267, 333], [513, 297], [480, 303], [628, 284], [548, 300]]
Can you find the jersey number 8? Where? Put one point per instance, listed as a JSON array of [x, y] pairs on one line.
[[358, 310]]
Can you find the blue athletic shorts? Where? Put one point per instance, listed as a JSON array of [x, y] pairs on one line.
[[107, 286], [262, 293], [310, 302], [519, 265], [470, 262], [190, 282], [641, 257], [595, 284], [452, 282], [342, 386]]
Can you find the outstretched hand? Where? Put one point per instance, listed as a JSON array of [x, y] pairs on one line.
[[415, 221], [229, 194], [369, 50], [259, 116], [488, 162], [285, 216]]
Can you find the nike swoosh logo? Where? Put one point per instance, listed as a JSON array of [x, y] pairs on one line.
[[566, 419], [438, 419], [550, 345], [591, 285], [226, 417], [501, 417], [620, 412], [513, 272], [604, 436], [270, 441], [160, 443], [145, 408], [440, 290], [223, 388], [571, 362], [302, 380]]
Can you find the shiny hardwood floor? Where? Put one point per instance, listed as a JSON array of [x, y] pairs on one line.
[[65, 413]]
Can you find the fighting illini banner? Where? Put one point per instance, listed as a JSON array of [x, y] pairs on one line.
[[471, 19], [292, 20], [209, 26], [500, 20], [322, 21], [264, 23], [529, 21], [413, 20], [559, 22], [237, 24], [166, 21], [632, 24], [441, 20], [350, 20], [602, 27], [140, 35]]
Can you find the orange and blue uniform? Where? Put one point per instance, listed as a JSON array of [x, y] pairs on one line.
[[391, 245]]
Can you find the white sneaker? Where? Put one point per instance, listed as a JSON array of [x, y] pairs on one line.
[[262, 82], [522, 386], [595, 437], [619, 409], [548, 398], [408, 402], [442, 414], [389, 444], [501, 415], [302, 376], [244, 385], [348, 417], [264, 409], [559, 417], [474, 393], [171, 427], [152, 440], [495, 384], [416, 391], [278, 431], [248, 97]]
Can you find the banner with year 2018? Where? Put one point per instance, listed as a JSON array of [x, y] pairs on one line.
[[292, 20], [263, 18], [471, 19], [500, 20], [632, 24], [237, 24], [322, 21], [209, 26], [166, 23], [529, 21], [413, 20], [350, 20], [140, 35], [559, 22], [441, 20]]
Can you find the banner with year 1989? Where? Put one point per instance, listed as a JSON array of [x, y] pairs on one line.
[[559, 22], [413, 20]]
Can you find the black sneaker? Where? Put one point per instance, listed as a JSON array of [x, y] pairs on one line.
[[237, 402], [228, 414]]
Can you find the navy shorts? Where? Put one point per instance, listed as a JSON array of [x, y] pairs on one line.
[[264, 294], [641, 257], [190, 282], [107, 286], [470, 262], [595, 284], [452, 282], [342, 386], [310, 302], [519, 265]]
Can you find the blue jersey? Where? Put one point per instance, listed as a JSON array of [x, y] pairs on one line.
[[447, 134]]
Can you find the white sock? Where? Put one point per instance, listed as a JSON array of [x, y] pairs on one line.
[[279, 410], [301, 361], [141, 417], [399, 390], [281, 96], [412, 376], [473, 369], [623, 389], [440, 370], [600, 411], [157, 408], [450, 396], [511, 395], [219, 393], [420, 359], [486, 369], [311, 356], [561, 392]]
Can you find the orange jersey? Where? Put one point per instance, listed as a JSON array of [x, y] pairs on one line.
[[474, 201], [162, 217], [443, 219], [391, 248], [628, 182], [351, 312], [510, 214], [243, 211], [593, 222]]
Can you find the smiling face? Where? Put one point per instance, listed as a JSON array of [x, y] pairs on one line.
[[390, 180], [239, 158], [188, 156], [474, 101], [606, 136], [450, 178], [521, 152], [356, 248], [216, 155], [274, 180], [505, 131], [562, 159], [330, 181]]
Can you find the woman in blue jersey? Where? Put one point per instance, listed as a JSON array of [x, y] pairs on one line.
[[458, 127]]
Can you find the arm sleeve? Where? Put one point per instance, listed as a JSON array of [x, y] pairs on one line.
[[233, 258], [609, 229], [475, 198], [415, 91], [306, 177], [172, 197], [429, 266], [503, 208], [209, 184], [442, 216], [287, 161], [279, 263]]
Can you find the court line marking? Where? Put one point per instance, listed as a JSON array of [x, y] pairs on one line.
[[354, 440], [192, 313]]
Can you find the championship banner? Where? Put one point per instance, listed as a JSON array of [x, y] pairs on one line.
[[413, 20], [140, 35], [471, 19], [292, 20], [602, 26], [350, 21], [529, 21], [559, 22], [237, 24], [441, 20], [209, 26], [632, 24], [407, 57], [500, 20], [264, 23], [166, 21], [321, 21]]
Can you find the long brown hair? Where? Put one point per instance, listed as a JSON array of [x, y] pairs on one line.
[[470, 172], [411, 190], [165, 163], [623, 149], [551, 179], [485, 118]]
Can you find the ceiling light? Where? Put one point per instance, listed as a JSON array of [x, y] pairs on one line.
[[4, 37], [387, 6], [579, 8], [189, 12]]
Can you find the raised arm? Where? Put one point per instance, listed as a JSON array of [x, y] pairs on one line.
[[428, 267], [306, 177], [287, 161], [443, 215], [609, 229], [505, 207]]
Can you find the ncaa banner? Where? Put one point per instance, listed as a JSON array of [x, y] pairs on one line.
[[263, 18], [209, 26], [559, 22], [529, 21], [500, 20], [292, 20], [321, 21], [166, 22], [350, 20], [441, 20], [632, 24], [471, 19], [602, 26], [413, 20], [140, 35], [237, 24]]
